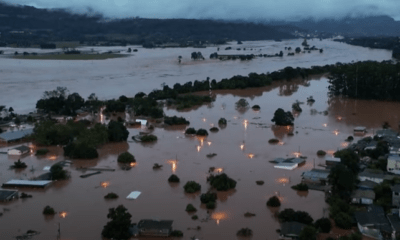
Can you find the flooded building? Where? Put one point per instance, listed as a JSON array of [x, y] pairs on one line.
[[154, 228], [332, 161], [374, 175], [291, 230], [15, 135], [21, 150], [315, 176], [373, 223], [8, 195], [393, 164]]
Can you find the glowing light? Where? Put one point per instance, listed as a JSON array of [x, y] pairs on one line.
[[336, 132], [235, 117], [174, 164], [242, 146], [217, 216], [281, 143], [282, 180], [53, 157], [297, 154], [198, 148], [132, 164], [209, 143], [63, 214], [344, 144], [105, 184], [250, 155], [330, 152], [325, 125], [204, 120], [245, 123], [339, 118], [219, 170]]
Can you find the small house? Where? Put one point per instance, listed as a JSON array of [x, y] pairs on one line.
[[8, 195], [332, 161], [315, 176], [366, 197], [386, 133], [393, 164], [396, 195], [373, 223], [360, 130], [19, 150], [291, 230], [154, 228], [374, 175]]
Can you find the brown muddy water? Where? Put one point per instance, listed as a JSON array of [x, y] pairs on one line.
[[82, 199], [22, 82]]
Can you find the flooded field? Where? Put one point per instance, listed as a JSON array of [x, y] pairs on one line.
[[242, 148], [22, 81], [82, 199]]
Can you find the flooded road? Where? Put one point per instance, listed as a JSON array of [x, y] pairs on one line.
[[22, 82], [83, 199]]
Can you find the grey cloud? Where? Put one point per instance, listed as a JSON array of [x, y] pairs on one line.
[[226, 9]]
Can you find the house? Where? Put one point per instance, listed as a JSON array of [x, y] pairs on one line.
[[363, 197], [373, 223], [332, 161], [393, 164], [155, 228], [291, 230], [396, 195], [394, 220], [386, 133], [26, 183], [367, 185], [21, 150], [360, 129], [315, 176], [15, 135], [8, 195], [374, 175], [288, 163]]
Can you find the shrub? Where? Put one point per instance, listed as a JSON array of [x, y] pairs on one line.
[[117, 132], [242, 103], [245, 232], [222, 121], [24, 195], [308, 233], [343, 220], [296, 107], [176, 233], [119, 224], [202, 132], [192, 186], [19, 165], [195, 217], [323, 224], [349, 138], [48, 211], [175, 120], [42, 151], [221, 182], [300, 187], [249, 214], [173, 178], [190, 208], [190, 131], [273, 140], [214, 129], [260, 182], [126, 157], [208, 197], [289, 215], [148, 138], [282, 118], [256, 107], [273, 202], [321, 153], [111, 196], [210, 205]]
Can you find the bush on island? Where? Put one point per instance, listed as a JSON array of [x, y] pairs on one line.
[[214, 129], [202, 132], [48, 211], [300, 187], [126, 157], [221, 182], [191, 187], [273, 140], [222, 121], [190, 208], [273, 202], [173, 178], [148, 138], [321, 153], [190, 131], [111, 196], [256, 107], [208, 197]]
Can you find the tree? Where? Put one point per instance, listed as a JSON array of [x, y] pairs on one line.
[[58, 173], [308, 233], [273, 202], [289, 215], [80, 150], [221, 182], [323, 224], [343, 220], [173, 178], [11, 109], [126, 157], [341, 178], [192, 186], [117, 132], [282, 118], [118, 227]]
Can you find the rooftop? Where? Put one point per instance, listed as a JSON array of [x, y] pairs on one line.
[[367, 184], [154, 224], [363, 194], [386, 132], [26, 183], [5, 195], [374, 217], [396, 188], [23, 148], [291, 228], [316, 174], [15, 135]]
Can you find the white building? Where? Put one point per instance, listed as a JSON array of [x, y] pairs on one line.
[[19, 150], [393, 164]]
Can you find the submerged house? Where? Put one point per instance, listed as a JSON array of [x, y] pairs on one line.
[[315, 176], [8, 195], [154, 228], [21, 150], [374, 175], [291, 230], [15, 135]]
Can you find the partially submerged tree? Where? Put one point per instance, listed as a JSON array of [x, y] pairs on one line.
[[221, 182], [19, 165], [118, 227], [48, 211], [283, 118], [126, 157], [58, 173], [192, 186], [173, 178], [273, 202]]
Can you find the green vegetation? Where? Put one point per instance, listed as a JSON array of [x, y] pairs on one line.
[[118, 226], [273, 202], [210, 205], [18, 165], [80, 151], [222, 121], [126, 157], [343, 220], [383, 195], [341, 212], [190, 208], [296, 107], [195, 217], [148, 138], [321, 153], [260, 182], [58, 173], [202, 132], [308, 233], [273, 141], [214, 129], [191, 187], [111, 196], [300, 187], [349, 139], [249, 214], [282, 118], [256, 107], [42, 151], [176, 120], [190, 131], [323, 225], [176, 233], [242, 103], [289, 215], [245, 232], [208, 197], [48, 211], [189, 101], [221, 182], [117, 132], [24, 195], [70, 56], [173, 178]]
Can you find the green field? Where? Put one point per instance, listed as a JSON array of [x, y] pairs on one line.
[[70, 56]]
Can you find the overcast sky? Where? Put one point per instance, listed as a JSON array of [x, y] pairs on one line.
[[226, 9]]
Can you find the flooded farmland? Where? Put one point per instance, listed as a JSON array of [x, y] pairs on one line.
[[242, 148]]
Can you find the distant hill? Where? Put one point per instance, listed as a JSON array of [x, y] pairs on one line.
[[372, 26], [26, 25]]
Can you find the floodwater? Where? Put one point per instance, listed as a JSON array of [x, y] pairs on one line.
[[242, 149], [22, 82]]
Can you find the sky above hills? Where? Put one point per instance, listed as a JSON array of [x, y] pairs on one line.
[[225, 9]]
